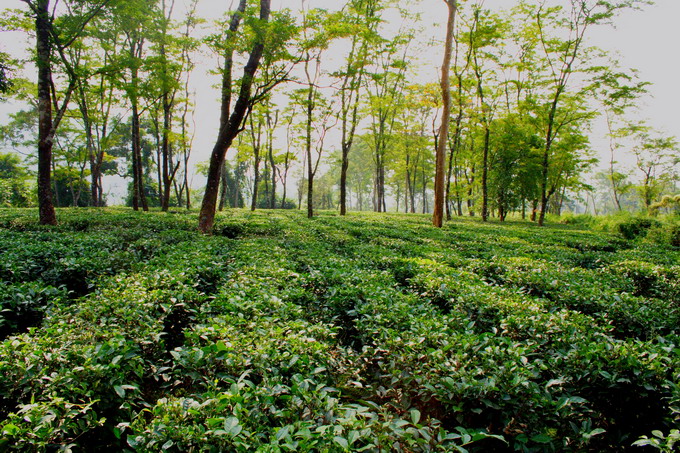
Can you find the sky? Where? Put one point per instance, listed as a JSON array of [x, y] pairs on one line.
[[645, 40]]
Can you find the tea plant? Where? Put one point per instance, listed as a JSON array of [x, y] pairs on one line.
[[129, 331]]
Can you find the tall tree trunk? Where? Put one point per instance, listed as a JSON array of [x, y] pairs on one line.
[[139, 193], [256, 181], [271, 127], [256, 136], [168, 174], [308, 149], [45, 131], [343, 178], [89, 144], [286, 167], [485, 174], [470, 201], [545, 167], [223, 188], [439, 193], [230, 124], [424, 181]]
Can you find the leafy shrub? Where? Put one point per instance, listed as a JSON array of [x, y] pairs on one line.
[[577, 219], [666, 233], [23, 305], [636, 227], [42, 425]]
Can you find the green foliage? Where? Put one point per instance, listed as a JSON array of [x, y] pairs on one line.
[[16, 193], [15, 190], [636, 227], [367, 333], [5, 80]]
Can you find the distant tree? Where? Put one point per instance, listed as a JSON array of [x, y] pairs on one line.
[[267, 44], [14, 188], [618, 92], [485, 39], [317, 34], [5, 80], [361, 20], [657, 161], [385, 81], [51, 43], [561, 33]]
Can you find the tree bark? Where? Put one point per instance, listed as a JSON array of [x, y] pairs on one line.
[[45, 132], [230, 124], [257, 141], [440, 174]]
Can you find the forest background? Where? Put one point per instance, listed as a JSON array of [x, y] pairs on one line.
[[641, 40]]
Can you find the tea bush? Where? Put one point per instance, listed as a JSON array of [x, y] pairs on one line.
[[131, 332]]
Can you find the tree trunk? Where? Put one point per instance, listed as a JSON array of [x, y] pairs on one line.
[[256, 136], [139, 196], [343, 178], [223, 187], [271, 126], [230, 124], [485, 175], [168, 174], [308, 149], [45, 126], [439, 192]]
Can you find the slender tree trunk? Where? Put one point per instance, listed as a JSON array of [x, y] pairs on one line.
[[45, 131], [139, 199], [167, 152], [135, 163], [271, 126], [308, 146], [449, 175], [424, 181], [89, 143], [256, 181], [485, 174], [223, 187], [439, 192], [230, 124], [139, 194], [470, 201], [545, 168], [285, 182], [256, 136]]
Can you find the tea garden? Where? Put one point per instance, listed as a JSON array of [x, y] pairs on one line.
[[125, 331]]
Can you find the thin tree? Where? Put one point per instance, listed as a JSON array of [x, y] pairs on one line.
[[439, 192], [48, 40], [231, 120]]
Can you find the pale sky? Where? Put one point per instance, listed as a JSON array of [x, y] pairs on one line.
[[646, 40]]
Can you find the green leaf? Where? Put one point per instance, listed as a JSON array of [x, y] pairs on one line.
[[10, 429], [282, 433], [415, 416], [353, 436], [542, 439], [119, 390], [232, 426], [341, 441]]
